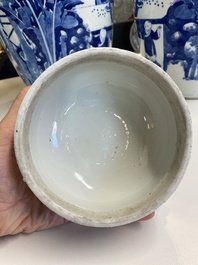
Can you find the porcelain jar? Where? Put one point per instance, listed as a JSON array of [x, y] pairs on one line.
[[37, 33], [168, 36]]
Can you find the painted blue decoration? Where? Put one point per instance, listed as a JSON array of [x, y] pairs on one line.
[[179, 32], [37, 33]]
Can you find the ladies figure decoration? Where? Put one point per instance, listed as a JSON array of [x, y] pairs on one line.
[[176, 26], [149, 35]]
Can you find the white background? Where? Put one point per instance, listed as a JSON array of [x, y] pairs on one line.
[[170, 238]]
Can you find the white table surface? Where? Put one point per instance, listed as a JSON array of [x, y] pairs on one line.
[[170, 238]]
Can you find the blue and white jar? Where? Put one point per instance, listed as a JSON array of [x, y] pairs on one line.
[[37, 33], [168, 36]]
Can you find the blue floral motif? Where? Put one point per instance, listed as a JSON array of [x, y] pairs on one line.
[[36, 33], [180, 34]]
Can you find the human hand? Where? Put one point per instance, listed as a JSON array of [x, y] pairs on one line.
[[20, 210]]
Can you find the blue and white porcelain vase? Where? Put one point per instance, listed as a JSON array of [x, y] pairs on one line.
[[168, 36], [37, 33]]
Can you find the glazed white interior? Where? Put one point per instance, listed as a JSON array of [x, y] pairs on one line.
[[102, 136]]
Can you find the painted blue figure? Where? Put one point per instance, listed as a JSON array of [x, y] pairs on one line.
[[149, 36], [180, 37]]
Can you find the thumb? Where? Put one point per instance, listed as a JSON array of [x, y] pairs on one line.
[[8, 122], [12, 113]]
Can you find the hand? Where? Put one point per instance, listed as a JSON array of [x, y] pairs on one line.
[[20, 210]]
